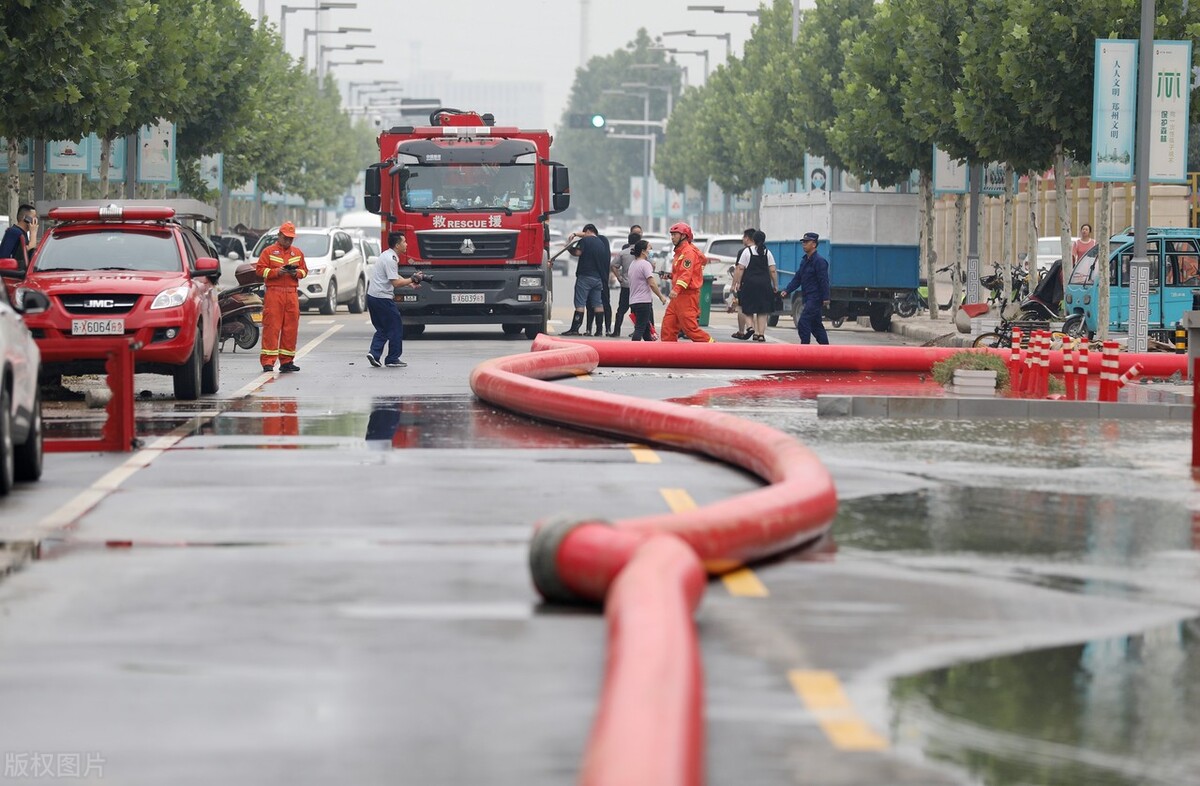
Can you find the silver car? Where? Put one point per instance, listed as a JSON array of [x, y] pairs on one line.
[[20, 399], [337, 270]]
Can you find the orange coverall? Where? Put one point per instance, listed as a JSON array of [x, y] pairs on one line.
[[683, 312], [281, 306]]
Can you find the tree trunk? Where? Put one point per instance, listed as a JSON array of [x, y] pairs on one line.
[[1006, 241], [14, 178], [925, 186], [105, 161], [1060, 196], [1103, 231], [960, 242], [1035, 185]]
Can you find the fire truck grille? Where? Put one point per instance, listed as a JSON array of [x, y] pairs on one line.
[[98, 304], [466, 245]]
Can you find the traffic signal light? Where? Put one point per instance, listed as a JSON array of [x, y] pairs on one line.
[[592, 120]]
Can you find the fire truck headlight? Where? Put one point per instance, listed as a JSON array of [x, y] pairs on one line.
[[170, 298], [531, 281]]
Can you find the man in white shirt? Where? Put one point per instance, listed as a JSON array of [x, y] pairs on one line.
[[381, 303]]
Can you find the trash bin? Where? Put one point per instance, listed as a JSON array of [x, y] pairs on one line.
[[706, 299]]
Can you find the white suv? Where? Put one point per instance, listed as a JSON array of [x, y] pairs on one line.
[[20, 400], [337, 271], [721, 252]]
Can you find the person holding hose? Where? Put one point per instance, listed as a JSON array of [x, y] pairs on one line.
[[281, 267], [687, 277]]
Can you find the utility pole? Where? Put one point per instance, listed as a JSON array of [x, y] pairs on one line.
[[1139, 266]]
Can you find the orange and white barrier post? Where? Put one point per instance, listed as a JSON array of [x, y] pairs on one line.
[[1068, 370], [1016, 364], [1081, 372], [1132, 373], [1108, 371]]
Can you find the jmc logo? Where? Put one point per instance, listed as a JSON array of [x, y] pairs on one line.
[[99, 303]]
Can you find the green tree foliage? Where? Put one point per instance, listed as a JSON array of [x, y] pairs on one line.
[[110, 66], [870, 133], [601, 165]]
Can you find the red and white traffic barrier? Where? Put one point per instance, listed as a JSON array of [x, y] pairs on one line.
[[1081, 372], [1069, 371], [1130, 375], [1109, 370]]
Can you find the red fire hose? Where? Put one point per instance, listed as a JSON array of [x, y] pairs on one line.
[[649, 729]]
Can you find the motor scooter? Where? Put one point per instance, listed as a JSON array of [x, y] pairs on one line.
[[241, 309], [1044, 302]]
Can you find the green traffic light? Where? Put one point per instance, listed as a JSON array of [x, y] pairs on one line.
[[598, 121]]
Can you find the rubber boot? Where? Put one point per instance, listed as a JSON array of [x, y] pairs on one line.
[[576, 321], [591, 318], [616, 331]]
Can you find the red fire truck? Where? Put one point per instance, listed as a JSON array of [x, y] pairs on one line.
[[473, 200]]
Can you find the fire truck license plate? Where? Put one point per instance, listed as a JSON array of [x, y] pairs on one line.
[[97, 327], [466, 297]]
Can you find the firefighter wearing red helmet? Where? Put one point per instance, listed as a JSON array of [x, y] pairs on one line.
[[687, 276], [281, 267]]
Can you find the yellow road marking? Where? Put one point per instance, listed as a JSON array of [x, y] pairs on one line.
[[644, 455], [741, 582], [822, 694]]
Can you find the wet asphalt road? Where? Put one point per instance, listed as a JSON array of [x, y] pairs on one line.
[[321, 578]]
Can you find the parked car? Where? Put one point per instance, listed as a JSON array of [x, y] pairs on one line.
[[232, 252], [128, 269], [1049, 249], [20, 401], [369, 248], [337, 270], [722, 253]]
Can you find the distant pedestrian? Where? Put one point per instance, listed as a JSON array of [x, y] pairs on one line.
[[756, 282], [281, 267], [745, 329], [591, 274], [642, 284], [620, 269], [1084, 244], [381, 303], [687, 277], [812, 278], [20, 239]]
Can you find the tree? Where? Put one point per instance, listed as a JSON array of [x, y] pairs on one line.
[[601, 166]]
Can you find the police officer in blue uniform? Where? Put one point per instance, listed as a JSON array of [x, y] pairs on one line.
[[812, 278]]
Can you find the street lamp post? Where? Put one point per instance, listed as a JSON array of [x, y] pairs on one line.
[[701, 52], [646, 149], [360, 61], [670, 91], [726, 37], [317, 8], [322, 50], [720, 9]]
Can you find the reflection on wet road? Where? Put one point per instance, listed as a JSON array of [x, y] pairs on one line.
[[1112, 712]]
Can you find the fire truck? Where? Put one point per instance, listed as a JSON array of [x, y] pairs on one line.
[[473, 199]]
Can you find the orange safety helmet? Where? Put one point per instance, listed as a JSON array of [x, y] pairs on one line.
[[682, 229], [287, 229]]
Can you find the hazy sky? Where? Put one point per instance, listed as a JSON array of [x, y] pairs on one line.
[[525, 40]]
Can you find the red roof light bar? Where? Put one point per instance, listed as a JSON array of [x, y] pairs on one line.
[[112, 213]]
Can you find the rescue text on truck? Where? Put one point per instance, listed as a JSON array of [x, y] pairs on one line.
[[473, 200]]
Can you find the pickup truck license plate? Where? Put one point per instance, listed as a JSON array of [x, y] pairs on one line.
[[466, 297], [97, 327]]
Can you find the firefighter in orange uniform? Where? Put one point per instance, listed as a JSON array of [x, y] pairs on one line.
[[281, 267], [687, 276]]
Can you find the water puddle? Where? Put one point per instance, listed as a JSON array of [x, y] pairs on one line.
[[1111, 712]]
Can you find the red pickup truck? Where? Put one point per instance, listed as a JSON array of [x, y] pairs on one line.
[[130, 270]]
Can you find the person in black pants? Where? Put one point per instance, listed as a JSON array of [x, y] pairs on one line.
[[642, 284], [620, 269]]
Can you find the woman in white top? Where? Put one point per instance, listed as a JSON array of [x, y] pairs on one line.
[[755, 282]]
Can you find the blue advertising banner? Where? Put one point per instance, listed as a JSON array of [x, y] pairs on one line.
[[1169, 112], [1114, 110], [949, 175], [116, 159], [24, 155]]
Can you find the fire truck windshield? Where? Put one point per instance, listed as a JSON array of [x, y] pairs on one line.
[[482, 188]]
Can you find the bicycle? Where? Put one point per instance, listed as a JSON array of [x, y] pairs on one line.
[[1001, 337]]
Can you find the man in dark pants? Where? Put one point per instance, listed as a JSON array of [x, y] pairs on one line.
[[590, 275], [381, 303], [812, 278]]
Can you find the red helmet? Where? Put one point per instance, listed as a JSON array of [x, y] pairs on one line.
[[682, 229]]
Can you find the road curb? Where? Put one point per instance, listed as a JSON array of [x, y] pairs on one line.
[[954, 408]]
